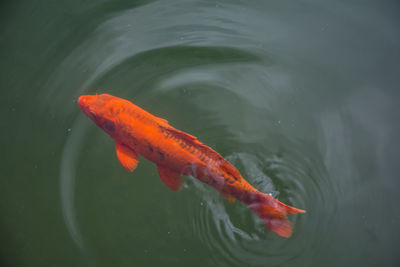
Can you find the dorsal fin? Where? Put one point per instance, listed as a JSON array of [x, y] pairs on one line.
[[161, 120], [224, 164], [183, 135], [230, 169]]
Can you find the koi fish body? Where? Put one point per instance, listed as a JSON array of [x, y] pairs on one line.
[[177, 153]]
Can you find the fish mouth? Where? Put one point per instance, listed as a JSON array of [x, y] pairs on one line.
[[84, 102], [81, 101]]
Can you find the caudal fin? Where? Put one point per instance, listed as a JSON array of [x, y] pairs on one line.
[[274, 214]]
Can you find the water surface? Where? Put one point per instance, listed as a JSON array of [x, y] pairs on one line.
[[301, 96]]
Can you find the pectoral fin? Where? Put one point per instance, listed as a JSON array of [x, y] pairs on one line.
[[172, 179], [126, 156]]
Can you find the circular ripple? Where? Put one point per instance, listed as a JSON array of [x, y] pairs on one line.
[[239, 237], [215, 90]]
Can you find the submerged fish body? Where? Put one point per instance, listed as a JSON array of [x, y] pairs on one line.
[[177, 153]]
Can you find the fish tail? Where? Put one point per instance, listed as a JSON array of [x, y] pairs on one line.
[[274, 214]]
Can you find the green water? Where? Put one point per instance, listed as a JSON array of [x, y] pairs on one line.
[[301, 96]]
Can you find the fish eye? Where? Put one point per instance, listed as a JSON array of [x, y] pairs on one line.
[[92, 115]]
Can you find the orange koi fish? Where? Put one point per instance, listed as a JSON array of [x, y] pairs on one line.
[[177, 153]]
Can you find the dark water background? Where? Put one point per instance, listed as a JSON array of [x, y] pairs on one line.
[[301, 96]]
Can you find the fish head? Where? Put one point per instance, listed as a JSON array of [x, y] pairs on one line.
[[103, 110]]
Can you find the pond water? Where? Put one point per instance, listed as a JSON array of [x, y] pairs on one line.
[[301, 96]]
